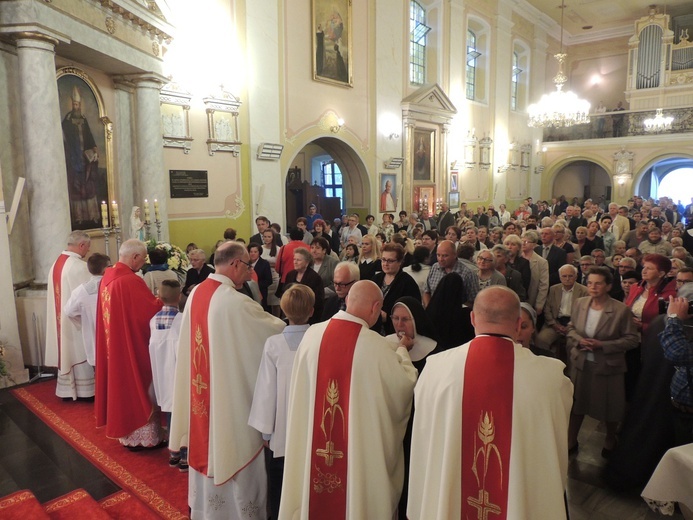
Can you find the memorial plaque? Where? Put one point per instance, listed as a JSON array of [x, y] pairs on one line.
[[188, 184]]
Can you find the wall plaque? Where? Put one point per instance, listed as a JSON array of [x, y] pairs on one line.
[[187, 184]]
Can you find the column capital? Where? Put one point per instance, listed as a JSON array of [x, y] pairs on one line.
[[22, 33], [144, 80]]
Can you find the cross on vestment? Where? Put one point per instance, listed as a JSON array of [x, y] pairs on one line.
[[483, 505], [199, 384], [329, 453]]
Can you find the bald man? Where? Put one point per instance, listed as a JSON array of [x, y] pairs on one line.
[[491, 424], [350, 400]]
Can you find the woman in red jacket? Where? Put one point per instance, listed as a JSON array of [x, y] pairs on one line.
[[643, 299]]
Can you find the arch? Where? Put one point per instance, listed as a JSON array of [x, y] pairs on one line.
[[663, 165], [355, 179], [581, 177]]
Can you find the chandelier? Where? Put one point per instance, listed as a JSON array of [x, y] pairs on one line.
[[658, 123], [559, 108]]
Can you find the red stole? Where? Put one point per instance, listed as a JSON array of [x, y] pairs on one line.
[[487, 417], [329, 452], [198, 454], [57, 296]]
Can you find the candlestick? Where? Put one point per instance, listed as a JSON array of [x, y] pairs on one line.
[[146, 210], [116, 216], [104, 214], [157, 215]]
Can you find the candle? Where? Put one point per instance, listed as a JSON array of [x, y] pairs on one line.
[[116, 217], [104, 214], [146, 210], [157, 215]]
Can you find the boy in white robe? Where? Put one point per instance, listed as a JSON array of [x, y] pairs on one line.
[[81, 306], [269, 410], [163, 342]]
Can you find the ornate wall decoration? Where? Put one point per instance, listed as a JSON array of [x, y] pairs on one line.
[[175, 118], [110, 25], [222, 122]]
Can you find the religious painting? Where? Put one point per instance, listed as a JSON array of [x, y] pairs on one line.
[[87, 140], [424, 199], [454, 199], [388, 193], [332, 49], [423, 158]]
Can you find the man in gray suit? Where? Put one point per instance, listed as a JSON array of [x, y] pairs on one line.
[[559, 304]]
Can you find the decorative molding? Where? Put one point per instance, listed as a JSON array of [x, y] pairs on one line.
[[147, 16], [238, 210], [110, 25], [175, 117], [222, 122], [156, 49]]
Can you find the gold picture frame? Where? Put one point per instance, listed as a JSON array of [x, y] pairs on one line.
[[423, 155], [332, 48], [88, 142]]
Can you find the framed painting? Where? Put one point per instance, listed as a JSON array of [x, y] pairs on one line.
[[454, 199], [453, 181], [87, 141], [388, 193], [424, 155], [332, 49]]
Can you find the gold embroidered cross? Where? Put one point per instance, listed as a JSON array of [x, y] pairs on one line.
[[483, 506], [329, 453], [199, 384]]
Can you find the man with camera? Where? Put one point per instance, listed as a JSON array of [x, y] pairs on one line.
[[677, 344]]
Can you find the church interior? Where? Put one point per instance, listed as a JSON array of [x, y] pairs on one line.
[[207, 117]]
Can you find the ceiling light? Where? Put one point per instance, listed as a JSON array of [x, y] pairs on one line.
[[658, 123], [559, 109]]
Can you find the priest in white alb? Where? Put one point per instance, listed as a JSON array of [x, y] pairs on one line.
[[490, 436], [64, 344], [221, 341], [350, 400]]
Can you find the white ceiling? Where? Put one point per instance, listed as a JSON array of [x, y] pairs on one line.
[[608, 18]]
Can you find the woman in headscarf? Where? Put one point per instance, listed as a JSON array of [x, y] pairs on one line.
[[414, 331]]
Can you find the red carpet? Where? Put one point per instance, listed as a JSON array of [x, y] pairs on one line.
[[21, 505], [144, 474], [123, 506], [77, 505]]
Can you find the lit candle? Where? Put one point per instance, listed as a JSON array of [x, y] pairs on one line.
[[157, 215], [116, 217], [104, 214], [146, 210]]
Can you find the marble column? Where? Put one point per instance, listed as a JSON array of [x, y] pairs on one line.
[[44, 156], [152, 179], [123, 131]]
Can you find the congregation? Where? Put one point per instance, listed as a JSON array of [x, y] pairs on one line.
[[284, 373]]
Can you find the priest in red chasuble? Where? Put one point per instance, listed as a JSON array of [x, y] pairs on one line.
[[490, 437], [64, 344], [221, 342], [125, 401], [350, 400]]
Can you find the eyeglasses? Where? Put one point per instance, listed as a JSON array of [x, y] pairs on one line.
[[343, 285], [682, 282], [485, 260], [389, 260], [250, 266]]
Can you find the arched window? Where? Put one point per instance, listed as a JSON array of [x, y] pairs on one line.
[[417, 43], [472, 55], [519, 77], [477, 66]]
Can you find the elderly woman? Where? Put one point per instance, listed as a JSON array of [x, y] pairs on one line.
[[394, 283], [488, 275], [369, 259], [643, 298], [513, 279], [261, 272], [599, 333], [198, 272], [323, 263], [583, 247], [302, 274], [514, 244], [561, 239]]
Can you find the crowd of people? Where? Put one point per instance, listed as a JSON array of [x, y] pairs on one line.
[[524, 322]]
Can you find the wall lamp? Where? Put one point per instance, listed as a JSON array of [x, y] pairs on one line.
[[393, 135], [336, 128]]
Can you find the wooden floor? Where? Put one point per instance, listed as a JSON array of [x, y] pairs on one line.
[[34, 457]]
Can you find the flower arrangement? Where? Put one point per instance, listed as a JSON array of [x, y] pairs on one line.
[[177, 260]]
